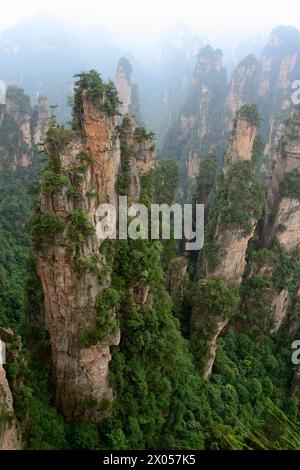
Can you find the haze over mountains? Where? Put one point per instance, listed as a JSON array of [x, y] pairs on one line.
[[41, 54]]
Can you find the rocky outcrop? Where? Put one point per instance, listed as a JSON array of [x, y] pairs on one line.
[[242, 144], [227, 242], [9, 434], [233, 241], [40, 121], [127, 89], [69, 268], [20, 128], [266, 81], [192, 165], [282, 211], [279, 309], [207, 325], [215, 303], [123, 83], [10, 437], [199, 124], [80, 313], [212, 347], [177, 279], [138, 147], [243, 83]]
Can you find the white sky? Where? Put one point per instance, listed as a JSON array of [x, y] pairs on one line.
[[148, 17]]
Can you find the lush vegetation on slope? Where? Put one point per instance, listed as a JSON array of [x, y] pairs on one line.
[[161, 399]]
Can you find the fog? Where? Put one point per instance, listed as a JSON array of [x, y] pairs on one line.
[[135, 24]]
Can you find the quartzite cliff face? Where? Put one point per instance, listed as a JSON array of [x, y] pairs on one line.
[[10, 428], [267, 82], [266, 277], [75, 273], [9, 434], [197, 127], [229, 234], [127, 89], [233, 241], [21, 127]]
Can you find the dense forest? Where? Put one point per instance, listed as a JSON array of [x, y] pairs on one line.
[[140, 344]]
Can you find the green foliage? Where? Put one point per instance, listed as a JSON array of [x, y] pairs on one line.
[[166, 181], [84, 436], [214, 301], [104, 95], [85, 157], [5, 420], [123, 183], [216, 298], [106, 323], [18, 96], [290, 185], [206, 177], [11, 138], [239, 198], [256, 293], [44, 227], [57, 139], [43, 428], [249, 112], [53, 182], [15, 205], [161, 400], [79, 228], [88, 265], [141, 135], [247, 374], [12, 369], [149, 372]]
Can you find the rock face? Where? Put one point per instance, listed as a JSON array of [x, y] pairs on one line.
[[229, 240], [137, 155], [214, 304], [40, 121], [123, 82], [127, 89], [206, 118], [212, 347], [233, 241], [197, 127], [9, 429], [243, 81], [281, 220], [75, 274], [176, 59], [283, 206], [178, 279], [267, 81], [9, 435], [210, 327], [21, 127], [242, 143], [71, 290], [279, 308]]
